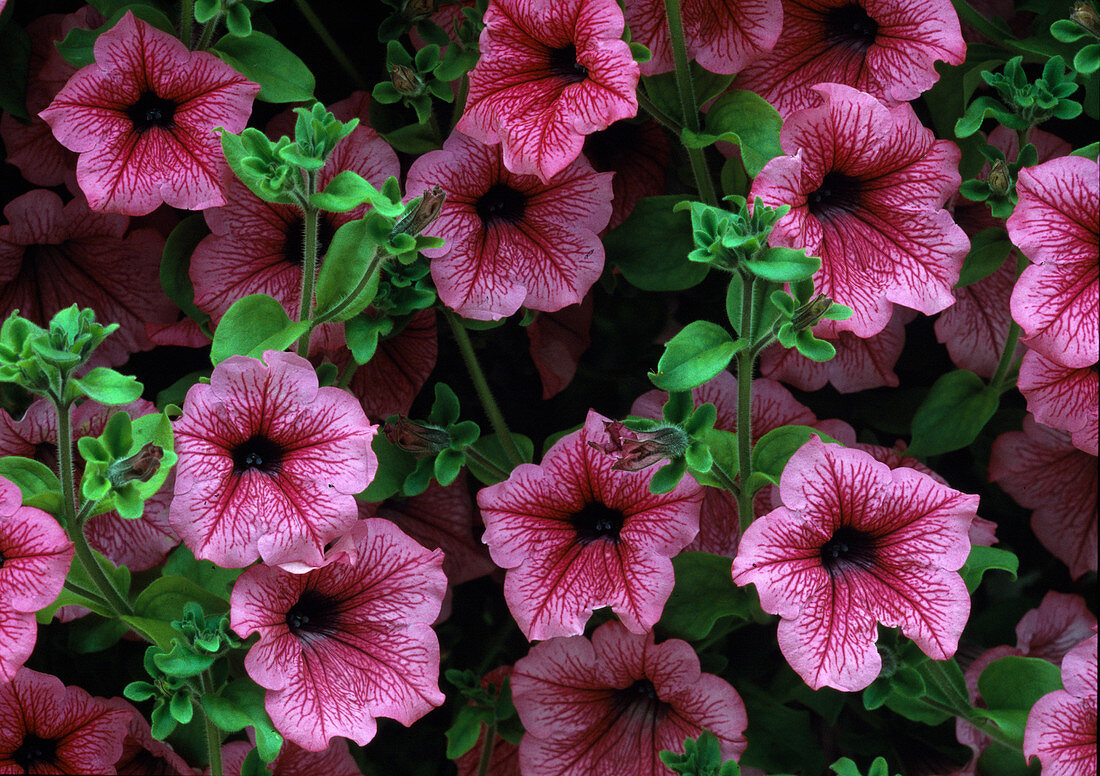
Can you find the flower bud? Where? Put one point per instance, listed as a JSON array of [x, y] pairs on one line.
[[406, 81], [419, 216], [416, 9], [642, 449], [413, 437], [140, 467], [999, 178], [1084, 14], [807, 316]]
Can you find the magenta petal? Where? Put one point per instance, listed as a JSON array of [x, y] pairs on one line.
[[1061, 726], [1062, 398], [36, 554], [975, 328], [1059, 624], [558, 340]]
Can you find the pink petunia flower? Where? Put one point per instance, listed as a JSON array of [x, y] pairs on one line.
[[859, 365], [1056, 223], [142, 118], [557, 342], [1061, 726], [512, 240], [886, 48], [348, 642], [856, 544], [721, 35], [137, 544], [576, 535], [1063, 398], [975, 328], [52, 255], [268, 463], [35, 555], [549, 74], [866, 184], [142, 754], [255, 247], [772, 406], [610, 705], [32, 147], [46, 727], [1049, 632], [638, 154], [336, 760], [1043, 471]]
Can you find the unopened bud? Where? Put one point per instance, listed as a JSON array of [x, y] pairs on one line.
[[406, 81], [419, 216], [999, 178], [139, 467], [1084, 14], [415, 9], [807, 316], [637, 450], [413, 437]]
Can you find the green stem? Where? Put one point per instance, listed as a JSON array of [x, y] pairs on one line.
[[207, 35], [90, 594], [94, 571], [309, 266], [481, 460], [687, 100], [727, 481], [213, 734], [933, 671], [481, 385], [744, 408], [348, 374], [65, 461], [460, 100], [1003, 370], [662, 118], [347, 301], [487, 750], [330, 43], [187, 19]]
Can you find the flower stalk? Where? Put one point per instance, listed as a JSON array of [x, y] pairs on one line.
[[745, 360], [309, 265]]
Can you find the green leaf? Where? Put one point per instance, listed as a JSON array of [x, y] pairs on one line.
[[772, 451], [464, 732], [983, 559], [165, 598], [723, 451], [162, 632], [663, 91], [175, 265], [240, 704], [181, 663], [347, 191], [282, 76], [78, 46], [350, 255], [651, 246], [15, 56], [252, 325], [704, 593], [784, 265], [413, 139], [394, 465], [107, 386], [1091, 151], [988, 250], [955, 411], [36, 481], [489, 446], [696, 354], [1015, 683], [753, 121], [668, 476], [69, 597]]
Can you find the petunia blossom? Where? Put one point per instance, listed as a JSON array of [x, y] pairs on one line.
[[268, 463], [336, 760], [638, 153], [512, 240], [866, 184], [46, 727], [975, 328], [1063, 398], [346, 643], [142, 118], [256, 247], [557, 342], [859, 364], [35, 555], [52, 255], [887, 48], [1043, 471], [612, 704], [143, 755], [1061, 726], [549, 74], [1056, 224], [139, 544], [576, 535], [856, 544], [723, 36]]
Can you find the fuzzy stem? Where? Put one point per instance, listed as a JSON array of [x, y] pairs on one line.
[[213, 734], [662, 118], [744, 408], [207, 35], [481, 385], [345, 378], [309, 265], [187, 19], [330, 43], [487, 750], [999, 377], [66, 471], [92, 568], [687, 101], [727, 481], [460, 100]]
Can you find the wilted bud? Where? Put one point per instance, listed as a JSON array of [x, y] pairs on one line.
[[637, 450], [999, 178], [140, 467], [807, 316], [1084, 14], [406, 81], [422, 214], [415, 9], [413, 437]]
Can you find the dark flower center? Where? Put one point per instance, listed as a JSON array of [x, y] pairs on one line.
[[35, 751], [849, 25], [313, 615], [597, 521], [848, 548], [640, 699], [294, 247], [152, 111], [564, 64], [838, 194], [257, 452], [501, 203], [606, 148]]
